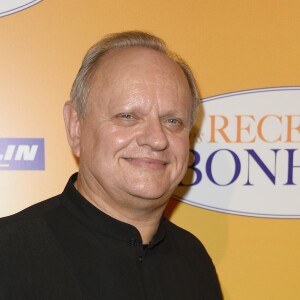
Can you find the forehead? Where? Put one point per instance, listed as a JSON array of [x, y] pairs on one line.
[[138, 65]]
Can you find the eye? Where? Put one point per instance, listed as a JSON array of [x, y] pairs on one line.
[[174, 121], [175, 124], [126, 116], [126, 119]]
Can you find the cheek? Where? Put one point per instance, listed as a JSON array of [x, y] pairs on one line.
[[181, 150], [116, 140], [92, 147], [185, 155]]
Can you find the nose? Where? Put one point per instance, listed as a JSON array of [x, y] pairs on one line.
[[152, 135]]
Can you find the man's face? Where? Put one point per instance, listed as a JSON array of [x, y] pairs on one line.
[[134, 139]]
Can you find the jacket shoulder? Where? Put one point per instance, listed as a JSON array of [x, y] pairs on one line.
[[32, 212]]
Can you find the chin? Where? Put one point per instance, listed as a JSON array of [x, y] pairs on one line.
[[148, 188], [153, 194]]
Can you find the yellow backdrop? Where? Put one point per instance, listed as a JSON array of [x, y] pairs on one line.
[[232, 45]]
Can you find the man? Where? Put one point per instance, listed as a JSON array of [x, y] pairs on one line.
[[132, 106]]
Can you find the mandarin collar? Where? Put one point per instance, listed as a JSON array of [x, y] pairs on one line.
[[100, 222]]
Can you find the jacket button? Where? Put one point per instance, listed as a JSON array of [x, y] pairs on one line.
[[132, 242]]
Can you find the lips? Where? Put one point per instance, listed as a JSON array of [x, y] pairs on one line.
[[146, 162]]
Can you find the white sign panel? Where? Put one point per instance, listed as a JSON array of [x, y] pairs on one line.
[[246, 158], [8, 7]]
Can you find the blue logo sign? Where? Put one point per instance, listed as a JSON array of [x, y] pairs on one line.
[[22, 154]]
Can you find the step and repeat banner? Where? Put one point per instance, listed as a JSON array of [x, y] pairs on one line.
[[241, 193]]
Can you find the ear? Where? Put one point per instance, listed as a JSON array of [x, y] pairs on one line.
[[73, 128]]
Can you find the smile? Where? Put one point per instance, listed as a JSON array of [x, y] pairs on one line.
[[146, 162]]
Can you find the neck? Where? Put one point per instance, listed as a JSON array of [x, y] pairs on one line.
[[146, 220]]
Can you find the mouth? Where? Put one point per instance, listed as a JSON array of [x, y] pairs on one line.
[[147, 163]]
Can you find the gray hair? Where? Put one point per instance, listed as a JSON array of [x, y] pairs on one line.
[[80, 88]]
